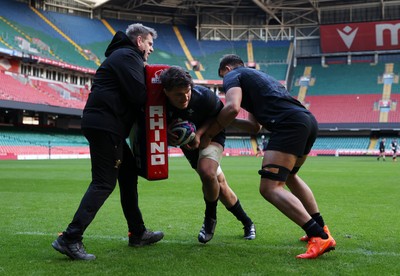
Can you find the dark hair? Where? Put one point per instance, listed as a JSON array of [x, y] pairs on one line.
[[175, 76], [230, 59]]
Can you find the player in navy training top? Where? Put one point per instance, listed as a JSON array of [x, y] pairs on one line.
[[382, 149], [293, 131], [200, 106], [394, 149]]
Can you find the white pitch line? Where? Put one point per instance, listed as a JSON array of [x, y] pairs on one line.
[[261, 246]]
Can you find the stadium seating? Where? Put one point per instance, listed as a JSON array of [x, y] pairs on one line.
[[3, 44], [14, 90], [341, 143], [16, 142], [394, 117], [344, 108], [278, 71], [243, 114], [22, 89], [92, 34], [326, 145], [338, 79], [355, 90], [235, 146], [271, 55], [387, 143], [25, 21], [86, 47], [271, 52]]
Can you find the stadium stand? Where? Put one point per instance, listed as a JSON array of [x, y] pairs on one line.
[[235, 146], [342, 143], [26, 21], [341, 79], [243, 114], [60, 40], [344, 108], [15, 38], [24, 89], [90, 34], [356, 90], [271, 52], [278, 71], [206, 53], [270, 57], [3, 44], [18, 143]]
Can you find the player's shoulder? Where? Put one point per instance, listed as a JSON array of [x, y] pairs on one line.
[[202, 92], [201, 89]]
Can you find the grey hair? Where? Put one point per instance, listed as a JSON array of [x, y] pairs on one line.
[[137, 29]]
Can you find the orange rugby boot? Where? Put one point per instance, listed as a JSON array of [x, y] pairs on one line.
[[318, 246]]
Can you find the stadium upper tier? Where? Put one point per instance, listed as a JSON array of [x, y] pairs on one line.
[[336, 79], [349, 93], [37, 35], [82, 41]]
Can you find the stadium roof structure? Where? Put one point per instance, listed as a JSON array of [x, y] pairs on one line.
[[91, 3], [268, 12], [277, 12]]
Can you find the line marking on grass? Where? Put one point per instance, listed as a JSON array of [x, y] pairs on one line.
[[359, 251]]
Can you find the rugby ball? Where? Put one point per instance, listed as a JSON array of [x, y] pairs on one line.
[[181, 132]]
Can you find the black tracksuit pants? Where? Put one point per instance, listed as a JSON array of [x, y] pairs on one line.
[[111, 160]]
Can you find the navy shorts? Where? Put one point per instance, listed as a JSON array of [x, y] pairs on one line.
[[296, 134]]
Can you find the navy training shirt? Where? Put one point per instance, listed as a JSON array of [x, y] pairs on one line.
[[203, 105], [263, 96]]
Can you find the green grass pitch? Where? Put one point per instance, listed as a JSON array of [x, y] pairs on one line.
[[359, 198]]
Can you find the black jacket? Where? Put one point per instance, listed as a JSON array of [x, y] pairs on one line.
[[118, 90]]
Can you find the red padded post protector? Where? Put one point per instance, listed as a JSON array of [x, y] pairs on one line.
[[149, 134]]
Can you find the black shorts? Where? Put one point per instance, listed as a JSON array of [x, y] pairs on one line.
[[381, 150], [296, 134]]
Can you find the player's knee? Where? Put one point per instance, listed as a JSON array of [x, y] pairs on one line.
[[267, 190], [206, 174], [263, 191], [223, 185]]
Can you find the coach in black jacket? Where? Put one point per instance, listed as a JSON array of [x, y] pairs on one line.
[[117, 94]]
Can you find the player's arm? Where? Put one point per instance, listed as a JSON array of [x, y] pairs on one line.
[[249, 125], [212, 105], [199, 132], [171, 136], [130, 72], [227, 114]]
